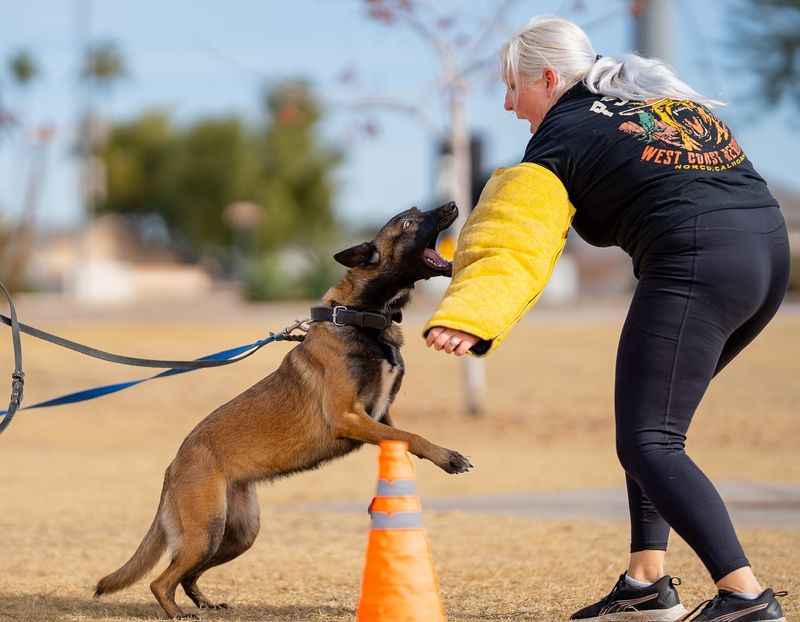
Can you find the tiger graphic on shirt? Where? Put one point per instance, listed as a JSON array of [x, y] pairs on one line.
[[678, 133], [683, 134]]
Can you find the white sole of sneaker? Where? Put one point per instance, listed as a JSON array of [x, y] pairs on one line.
[[661, 615]]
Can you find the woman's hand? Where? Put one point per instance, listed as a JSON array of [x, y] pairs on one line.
[[450, 340]]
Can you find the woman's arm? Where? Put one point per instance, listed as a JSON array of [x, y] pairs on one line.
[[505, 255]]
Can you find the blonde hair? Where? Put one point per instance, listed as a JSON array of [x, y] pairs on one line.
[[558, 44]]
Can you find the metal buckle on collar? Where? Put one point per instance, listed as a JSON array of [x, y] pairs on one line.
[[334, 313]]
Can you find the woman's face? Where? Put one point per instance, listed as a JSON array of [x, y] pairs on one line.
[[531, 99]]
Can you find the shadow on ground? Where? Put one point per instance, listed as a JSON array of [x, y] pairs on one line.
[[50, 606]]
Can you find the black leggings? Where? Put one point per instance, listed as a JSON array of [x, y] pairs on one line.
[[706, 289]]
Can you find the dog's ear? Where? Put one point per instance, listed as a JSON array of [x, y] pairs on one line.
[[362, 254]]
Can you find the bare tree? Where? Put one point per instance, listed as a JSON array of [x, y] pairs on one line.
[[457, 39]]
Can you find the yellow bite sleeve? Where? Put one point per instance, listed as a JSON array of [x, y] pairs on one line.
[[505, 254]]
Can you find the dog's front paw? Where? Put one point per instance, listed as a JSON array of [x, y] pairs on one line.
[[454, 462]]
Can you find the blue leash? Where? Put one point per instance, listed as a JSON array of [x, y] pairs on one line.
[[218, 359]]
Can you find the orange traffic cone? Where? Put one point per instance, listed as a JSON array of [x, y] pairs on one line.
[[399, 582]]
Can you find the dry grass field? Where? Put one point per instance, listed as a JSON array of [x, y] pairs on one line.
[[79, 484]]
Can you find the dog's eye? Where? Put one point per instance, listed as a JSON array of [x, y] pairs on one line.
[[407, 224]]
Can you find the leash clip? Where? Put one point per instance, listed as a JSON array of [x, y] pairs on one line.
[[334, 312], [285, 334], [303, 325], [17, 386]]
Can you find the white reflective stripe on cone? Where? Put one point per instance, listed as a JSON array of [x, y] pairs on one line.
[[397, 488], [396, 520]]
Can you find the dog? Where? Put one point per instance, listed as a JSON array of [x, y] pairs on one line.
[[330, 394]]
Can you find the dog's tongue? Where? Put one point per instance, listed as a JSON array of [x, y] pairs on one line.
[[435, 258]]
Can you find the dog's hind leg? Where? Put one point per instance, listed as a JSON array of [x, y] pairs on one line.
[[195, 525], [241, 528]]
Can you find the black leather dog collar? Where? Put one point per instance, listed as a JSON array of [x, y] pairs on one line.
[[342, 316]]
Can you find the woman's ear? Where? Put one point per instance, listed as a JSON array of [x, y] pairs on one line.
[[551, 80]]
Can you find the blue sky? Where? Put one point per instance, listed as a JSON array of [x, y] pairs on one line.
[[202, 57]]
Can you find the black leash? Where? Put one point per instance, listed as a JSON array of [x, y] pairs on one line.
[[103, 355], [338, 315], [18, 376], [218, 359]]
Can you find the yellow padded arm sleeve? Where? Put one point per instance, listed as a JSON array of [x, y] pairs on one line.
[[505, 254]]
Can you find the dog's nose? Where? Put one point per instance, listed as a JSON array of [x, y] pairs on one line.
[[450, 206]]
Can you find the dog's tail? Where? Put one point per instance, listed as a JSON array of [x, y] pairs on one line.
[[145, 557]]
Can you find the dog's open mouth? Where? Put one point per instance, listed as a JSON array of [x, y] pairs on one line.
[[435, 261], [447, 215], [431, 257]]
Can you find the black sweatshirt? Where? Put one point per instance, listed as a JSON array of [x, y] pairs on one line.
[[632, 170]]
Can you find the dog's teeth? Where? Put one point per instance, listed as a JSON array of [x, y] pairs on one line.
[[434, 258]]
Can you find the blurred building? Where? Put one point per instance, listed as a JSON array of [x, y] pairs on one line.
[[112, 262]]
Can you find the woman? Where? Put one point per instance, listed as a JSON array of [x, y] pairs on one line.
[[629, 155]]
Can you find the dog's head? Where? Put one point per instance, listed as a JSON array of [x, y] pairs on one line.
[[405, 246], [403, 252]]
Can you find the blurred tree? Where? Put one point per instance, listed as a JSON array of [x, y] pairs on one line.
[[103, 64], [295, 171], [23, 67], [189, 176], [767, 32], [31, 149], [214, 167], [140, 160], [5, 232], [186, 176], [23, 70], [6, 118]]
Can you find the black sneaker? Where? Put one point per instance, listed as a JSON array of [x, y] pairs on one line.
[[727, 607], [658, 602]]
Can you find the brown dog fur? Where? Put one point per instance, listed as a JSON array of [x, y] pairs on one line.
[[330, 395]]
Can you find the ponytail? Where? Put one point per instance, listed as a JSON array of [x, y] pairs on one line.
[[551, 42], [636, 78]]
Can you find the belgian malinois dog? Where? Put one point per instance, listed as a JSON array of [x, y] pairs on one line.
[[330, 395]]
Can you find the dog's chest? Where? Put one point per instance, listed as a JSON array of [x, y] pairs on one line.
[[388, 377]]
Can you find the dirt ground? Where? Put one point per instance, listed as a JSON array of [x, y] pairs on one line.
[[79, 484]]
